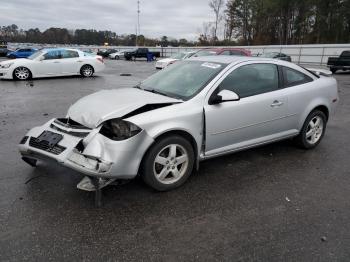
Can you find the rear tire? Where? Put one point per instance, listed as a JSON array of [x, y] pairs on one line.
[[333, 70], [116, 57], [87, 71], [313, 130], [168, 163]]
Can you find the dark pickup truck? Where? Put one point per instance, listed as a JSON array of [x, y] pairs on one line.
[[140, 53], [339, 63]]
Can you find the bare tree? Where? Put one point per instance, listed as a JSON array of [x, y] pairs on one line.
[[216, 6]]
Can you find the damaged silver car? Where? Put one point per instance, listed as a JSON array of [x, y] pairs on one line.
[[194, 110]]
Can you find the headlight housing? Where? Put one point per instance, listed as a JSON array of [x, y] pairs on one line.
[[118, 129], [6, 65]]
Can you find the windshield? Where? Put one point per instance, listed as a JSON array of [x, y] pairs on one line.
[[182, 80], [178, 56], [205, 53], [35, 55]]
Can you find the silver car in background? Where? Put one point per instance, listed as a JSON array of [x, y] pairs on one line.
[[194, 110], [161, 64]]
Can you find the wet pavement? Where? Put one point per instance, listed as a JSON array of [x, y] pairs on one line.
[[273, 203]]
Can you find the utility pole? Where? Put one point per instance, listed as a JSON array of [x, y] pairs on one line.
[[138, 21]]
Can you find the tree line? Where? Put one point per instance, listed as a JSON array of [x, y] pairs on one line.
[[282, 22], [12, 33]]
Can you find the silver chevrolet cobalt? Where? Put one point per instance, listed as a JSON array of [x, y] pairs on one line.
[[193, 110]]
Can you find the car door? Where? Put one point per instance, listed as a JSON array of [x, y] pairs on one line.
[[51, 64], [71, 62], [259, 116], [21, 53]]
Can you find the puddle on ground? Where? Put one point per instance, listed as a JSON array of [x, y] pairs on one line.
[[30, 84]]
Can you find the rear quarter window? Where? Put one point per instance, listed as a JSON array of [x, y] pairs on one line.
[[293, 77]]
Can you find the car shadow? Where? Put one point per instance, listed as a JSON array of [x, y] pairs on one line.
[[52, 78]]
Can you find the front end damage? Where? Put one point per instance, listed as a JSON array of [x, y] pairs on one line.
[[85, 150]]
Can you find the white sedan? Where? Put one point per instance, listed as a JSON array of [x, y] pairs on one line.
[[171, 60], [52, 62]]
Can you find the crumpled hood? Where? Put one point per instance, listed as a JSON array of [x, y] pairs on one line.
[[96, 108]]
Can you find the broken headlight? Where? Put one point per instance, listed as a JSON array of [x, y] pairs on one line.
[[118, 129]]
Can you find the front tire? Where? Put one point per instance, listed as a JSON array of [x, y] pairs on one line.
[[333, 70], [21, 73], [87, 71], [313, 130], [116, 57], [168, 163]]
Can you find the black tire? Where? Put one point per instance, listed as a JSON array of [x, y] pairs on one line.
[[150, 167], [333, 70], [117, 57], [22, 73], [87, 71], [302, 139], [12, 57]]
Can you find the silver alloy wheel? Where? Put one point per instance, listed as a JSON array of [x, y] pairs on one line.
[[22, 73], [314, 130], [87, 71], [171, 164]]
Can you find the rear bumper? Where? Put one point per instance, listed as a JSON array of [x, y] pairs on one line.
[[100, 156]]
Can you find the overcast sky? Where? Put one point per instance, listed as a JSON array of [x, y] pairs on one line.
[[175, 18]]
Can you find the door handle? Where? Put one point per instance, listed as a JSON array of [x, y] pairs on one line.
[[57, 62], [276, 103], [79, 61]]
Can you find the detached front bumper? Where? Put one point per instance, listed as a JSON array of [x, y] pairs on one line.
[[86, 150]]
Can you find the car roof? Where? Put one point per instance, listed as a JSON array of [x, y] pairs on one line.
[[233, 60], [226, 59], [59, 49], [219, 49]]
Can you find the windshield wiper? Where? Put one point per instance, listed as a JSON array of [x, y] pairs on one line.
[[156, 92]]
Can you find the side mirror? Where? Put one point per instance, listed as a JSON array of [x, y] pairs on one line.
[[223, 96], [41, 58]]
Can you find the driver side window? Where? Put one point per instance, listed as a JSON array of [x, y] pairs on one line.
[[250, 80]]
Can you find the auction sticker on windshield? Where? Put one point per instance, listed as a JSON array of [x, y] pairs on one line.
[[211, 65]]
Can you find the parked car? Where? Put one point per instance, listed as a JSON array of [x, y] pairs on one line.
[[140, 53], [21, 53], [3, 50], [339, 63], [52, 62], [106, 52], [118, 55], [171, 60], [165, 126], [223, 51], [277, 55]]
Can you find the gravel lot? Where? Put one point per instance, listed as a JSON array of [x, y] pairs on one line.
[[274, 203]]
